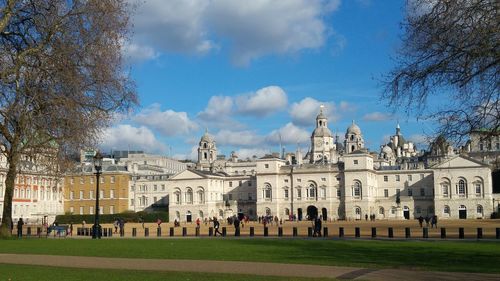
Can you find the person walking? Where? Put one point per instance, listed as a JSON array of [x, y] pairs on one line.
[[20, 224], [420, 221], [216, 226], [236, 226]]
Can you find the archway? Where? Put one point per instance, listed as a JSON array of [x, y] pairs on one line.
[[462, 212], [299, 214], [312, 212], [406, 212], [324, 214]]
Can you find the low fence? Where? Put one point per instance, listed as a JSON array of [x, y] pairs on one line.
[[326, 232]]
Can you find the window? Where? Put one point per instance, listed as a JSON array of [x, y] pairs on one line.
[[397, 178], [381, 210], [81, 210], [91, 194], [323, 179], [177, 196], [299, 180], [230, 184], [112, 179], [249, 183], [162, 187], [91, 180], [410, 192], [81, 194], [418, 210], [446, 210], [101, 194], [82, 180], [461, 187], [479, 209], [338, 193], [102, 179], [355, 162], [410, 178], [312, 191], [267, 191], [266, 166], [71, 195], [299, 193], [111, 209], [201, 197], [250, 197], [422, 192], [478, 188], [112, 193], [386, 178], [286, 180], [398, 192], [286, 193], [386, 193], [189, 196], [71, 180], [230, 196], [155, 199], [132, 202], [357, 189], [91, 210], [239, 184], [155, 187], [444, 188]]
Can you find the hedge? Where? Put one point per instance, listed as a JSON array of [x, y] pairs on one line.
[[107, 218]]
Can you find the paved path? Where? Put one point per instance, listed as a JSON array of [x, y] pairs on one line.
[[251, 268]]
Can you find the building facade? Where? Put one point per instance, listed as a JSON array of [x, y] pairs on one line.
[[338, 181]]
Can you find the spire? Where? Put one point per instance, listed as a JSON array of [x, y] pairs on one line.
[[398, 129]]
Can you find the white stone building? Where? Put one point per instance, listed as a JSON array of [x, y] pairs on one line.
[[337, 181]]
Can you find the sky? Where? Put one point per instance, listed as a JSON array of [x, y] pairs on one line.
[[252, 71]]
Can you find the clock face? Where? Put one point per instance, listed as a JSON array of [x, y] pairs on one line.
[[319, 143]]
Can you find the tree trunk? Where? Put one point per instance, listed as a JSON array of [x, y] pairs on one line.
[[5, 227]]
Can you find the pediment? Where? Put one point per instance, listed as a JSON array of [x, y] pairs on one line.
[[187, 174], [460, 162]]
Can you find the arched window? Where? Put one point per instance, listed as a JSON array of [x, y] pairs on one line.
[[205, 145], [479, 209], [381, 210], [358, 210], [189, 196], [444, 188], [461, 187], [311, 191], [357, 189], [205, 155], [201, 196], [268, 192], [287, 212], [446, 210], [177, 196]]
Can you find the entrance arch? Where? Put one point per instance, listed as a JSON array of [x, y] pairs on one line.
[[462, 212], [189, 217], [312, 212], [406, 212], [299, 214]]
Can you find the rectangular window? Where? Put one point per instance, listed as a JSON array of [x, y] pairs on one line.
[[82, 180], [101, 194], [71, 180], [230, 196], [112, 179], [71, 210], [410, 192], [299, 193], [355, 162], [386, 193], [323, 179], [286, 193], [91, 194], [230, 184], [478, 188], [266, 166], [111, 210], [81, 210], [422, 192], [338, 192], [155, 199], [286, 180], [250, 196], [112, 193], [386, 178], [409, 178], [71, 195], [91, 210], [299, 180], [101, 210], [102, 179], [81, 194], [240, 182], [162, 187]]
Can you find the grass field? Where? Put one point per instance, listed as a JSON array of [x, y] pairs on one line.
[[38, 273], [463, 256]]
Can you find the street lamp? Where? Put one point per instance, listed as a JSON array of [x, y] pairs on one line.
[[96, 233]]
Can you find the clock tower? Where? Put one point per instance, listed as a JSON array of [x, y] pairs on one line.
[[322, 142]]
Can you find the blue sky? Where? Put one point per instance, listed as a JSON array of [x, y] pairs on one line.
[[250, 71]]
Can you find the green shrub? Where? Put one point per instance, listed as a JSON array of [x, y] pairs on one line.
[[107, 218]]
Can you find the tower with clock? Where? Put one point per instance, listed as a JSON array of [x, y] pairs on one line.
[[323, 147]]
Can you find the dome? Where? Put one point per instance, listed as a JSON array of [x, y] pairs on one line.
[[206, 137], [387, 150], [354, 129], [320, 116], [322, 132]]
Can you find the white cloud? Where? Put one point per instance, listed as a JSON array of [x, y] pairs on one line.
[[238, 138], [136, 53], [192, 155], [304, 112], [377, 117], [290, 134], [263, 102], [251, 29], [125, 136], [167, 123], [218, 107], [421, 141]]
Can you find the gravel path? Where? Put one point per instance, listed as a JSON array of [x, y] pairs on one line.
[[251, 268]]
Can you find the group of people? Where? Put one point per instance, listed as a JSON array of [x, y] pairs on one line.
[[433, 220], [119, 223], [372, 217]]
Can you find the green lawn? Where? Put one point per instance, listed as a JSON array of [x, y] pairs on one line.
[[39, 273], [466, 256]]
